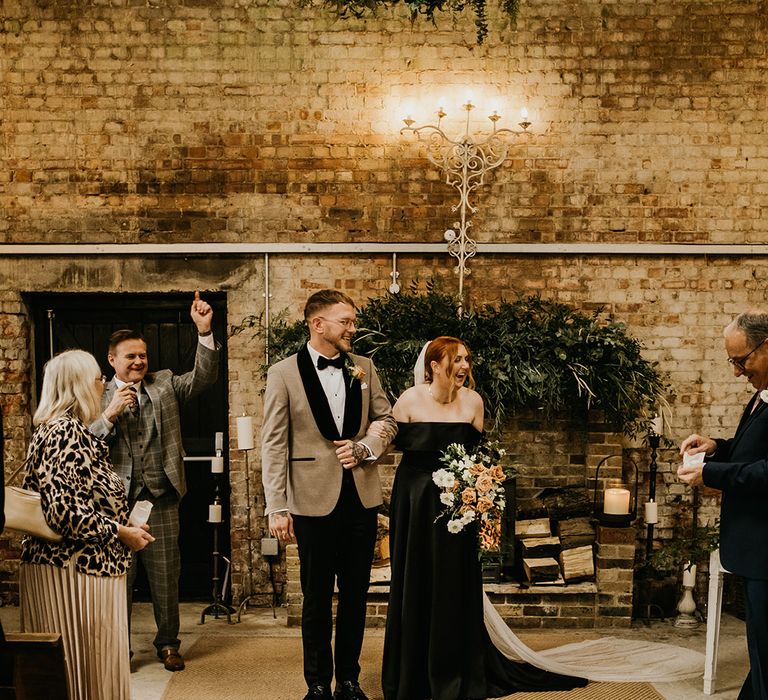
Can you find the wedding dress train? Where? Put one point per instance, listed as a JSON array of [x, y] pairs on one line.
[[604, 659]]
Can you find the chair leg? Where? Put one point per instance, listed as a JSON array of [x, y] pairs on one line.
[[714, 605]]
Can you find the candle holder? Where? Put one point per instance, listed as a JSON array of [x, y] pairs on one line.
[[687, 605], [249, 536], [610, 512], [218, 606], [465, 162]]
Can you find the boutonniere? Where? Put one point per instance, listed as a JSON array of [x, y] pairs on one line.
[[764, 395], [355, 372]]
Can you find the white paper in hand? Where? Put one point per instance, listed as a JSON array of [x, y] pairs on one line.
[[693, 460], [140, 513]]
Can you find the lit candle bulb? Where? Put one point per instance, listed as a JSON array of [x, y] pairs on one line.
[[524, 114], [616, 502], [651, 513], [214, 513], [217, 465], [244, 433], [657, 425]]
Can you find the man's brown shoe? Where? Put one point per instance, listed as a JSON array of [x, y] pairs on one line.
[[172, 660]]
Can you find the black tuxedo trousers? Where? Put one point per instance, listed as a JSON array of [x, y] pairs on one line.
[[335, 547]]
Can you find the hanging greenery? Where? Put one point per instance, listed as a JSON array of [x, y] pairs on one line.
[[420, 8], [528, 354]]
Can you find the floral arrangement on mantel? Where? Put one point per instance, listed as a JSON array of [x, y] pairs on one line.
[[420, 8], [532, 353]]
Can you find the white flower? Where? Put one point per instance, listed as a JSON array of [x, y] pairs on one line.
[[468, 517], [455, 526], [447, 498], [443, 478], [764, 395]]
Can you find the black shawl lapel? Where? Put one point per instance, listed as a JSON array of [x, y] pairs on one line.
[[353, 406], [316, 397]]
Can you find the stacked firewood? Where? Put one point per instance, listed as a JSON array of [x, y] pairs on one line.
[[556, 546]]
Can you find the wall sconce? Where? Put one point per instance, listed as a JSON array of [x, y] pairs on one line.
[[465, 163], [615, 505]]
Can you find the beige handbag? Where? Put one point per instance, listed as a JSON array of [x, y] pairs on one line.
[[24, 512]]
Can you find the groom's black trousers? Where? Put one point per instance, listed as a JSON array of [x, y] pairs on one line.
[[335, 546]]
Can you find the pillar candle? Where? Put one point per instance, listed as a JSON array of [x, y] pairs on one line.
[[616, 502], [657, 425], [217, 465], [689, 577], [244, 433], [214, 513], [651, 513]]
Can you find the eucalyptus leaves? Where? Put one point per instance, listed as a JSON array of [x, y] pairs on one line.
[[420, 8], [528, 354]]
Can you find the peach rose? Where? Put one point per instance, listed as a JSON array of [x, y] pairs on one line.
[[484, 483], [468, 495], [476, 469], [497, 473], [484, 505]]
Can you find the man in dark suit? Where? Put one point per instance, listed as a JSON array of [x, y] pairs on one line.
[[739, 468], [321, 484], [141, 424]]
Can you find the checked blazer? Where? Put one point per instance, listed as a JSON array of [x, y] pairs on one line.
[[167, 392]]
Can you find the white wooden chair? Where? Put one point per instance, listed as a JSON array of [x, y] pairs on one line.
[[714, 605]]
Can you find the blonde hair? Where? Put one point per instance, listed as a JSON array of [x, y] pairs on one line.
[[69, 386]]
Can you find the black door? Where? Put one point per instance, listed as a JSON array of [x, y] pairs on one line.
[[64, 321]]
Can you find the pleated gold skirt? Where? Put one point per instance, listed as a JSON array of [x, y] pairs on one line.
[[91, 614]]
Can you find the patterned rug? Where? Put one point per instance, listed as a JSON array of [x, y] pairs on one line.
[[269, 668]]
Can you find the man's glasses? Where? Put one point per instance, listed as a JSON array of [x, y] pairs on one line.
[[738, 362], [346, 322]]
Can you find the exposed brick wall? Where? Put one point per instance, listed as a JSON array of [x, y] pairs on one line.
[[231, 121]]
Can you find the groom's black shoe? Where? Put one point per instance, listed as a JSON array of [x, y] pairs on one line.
[[318, 692], [349, 690]]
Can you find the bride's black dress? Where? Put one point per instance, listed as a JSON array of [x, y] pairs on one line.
[[436, 644]]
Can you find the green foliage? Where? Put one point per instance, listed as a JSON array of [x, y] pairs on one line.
[[419, 8], [530, 353], [677, 552]]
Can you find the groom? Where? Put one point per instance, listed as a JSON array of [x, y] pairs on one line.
[[321, 484]]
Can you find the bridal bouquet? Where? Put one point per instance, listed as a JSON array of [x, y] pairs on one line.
[[472, 490]]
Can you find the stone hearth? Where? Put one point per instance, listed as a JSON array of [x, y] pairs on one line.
[[605, 602]]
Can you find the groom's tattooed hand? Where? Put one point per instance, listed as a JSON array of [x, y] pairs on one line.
[[359, 453]]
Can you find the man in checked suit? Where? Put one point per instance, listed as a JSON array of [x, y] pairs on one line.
[[739, 468], [140, 423], [321, 484]]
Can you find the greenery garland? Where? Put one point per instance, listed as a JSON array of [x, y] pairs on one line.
[[420, 8], [528, 354]]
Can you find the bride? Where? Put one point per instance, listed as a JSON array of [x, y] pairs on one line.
[[444, 640]]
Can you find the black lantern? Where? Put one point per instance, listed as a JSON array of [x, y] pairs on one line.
[[616, 505]]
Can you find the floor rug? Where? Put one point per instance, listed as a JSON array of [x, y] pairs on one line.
[[221, 667]]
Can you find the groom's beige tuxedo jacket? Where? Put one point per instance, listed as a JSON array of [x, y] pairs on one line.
[[300, 470]]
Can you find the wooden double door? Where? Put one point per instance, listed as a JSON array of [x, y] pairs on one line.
[[85, 321]]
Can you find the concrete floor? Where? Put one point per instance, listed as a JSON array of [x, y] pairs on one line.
[[149, 678]]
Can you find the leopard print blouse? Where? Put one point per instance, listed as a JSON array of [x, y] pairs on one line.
[[82, 500]]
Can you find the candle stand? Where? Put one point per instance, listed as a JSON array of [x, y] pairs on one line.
[[218, 606], [654, 441], [648, 588], [244, 602]]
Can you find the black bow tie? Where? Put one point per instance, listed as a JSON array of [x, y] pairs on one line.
[[338, 362]]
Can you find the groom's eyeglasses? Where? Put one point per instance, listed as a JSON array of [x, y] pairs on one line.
[[738, 362], [346, 322]]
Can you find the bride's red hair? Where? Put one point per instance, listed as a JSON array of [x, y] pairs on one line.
[[442, 347]]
